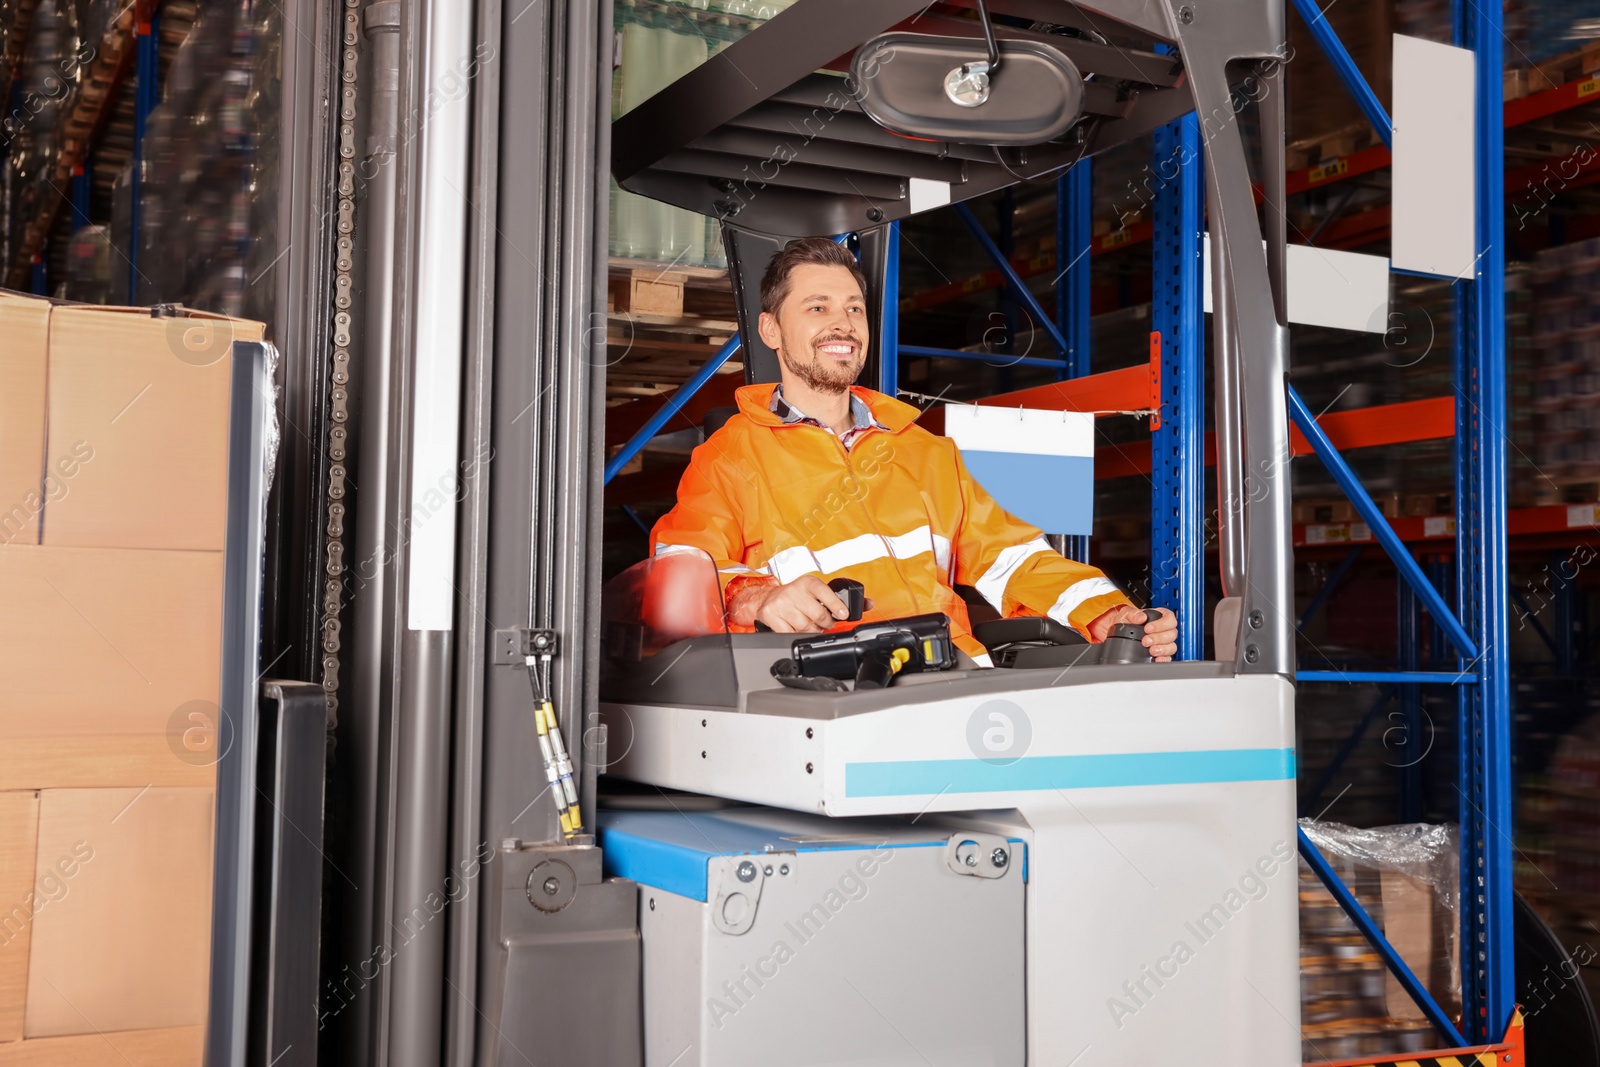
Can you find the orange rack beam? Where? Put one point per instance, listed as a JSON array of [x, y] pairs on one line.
[[1387, 424]]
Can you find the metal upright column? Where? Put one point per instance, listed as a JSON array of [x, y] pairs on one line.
[[1074, 232], [1488, 991], [1074, 228], [398, 715], [81, 191], [1407, 754], [147, 62], [889, 335], [1008, 248], [1177, 471]]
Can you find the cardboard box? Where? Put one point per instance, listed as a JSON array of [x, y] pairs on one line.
[[100, 641], [19, 827], [25, 326], [1408, 924], [101, 761], [138, 428], [123, 941], [177, 1047]]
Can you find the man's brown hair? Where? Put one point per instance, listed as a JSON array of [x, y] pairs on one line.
[[820, 251]]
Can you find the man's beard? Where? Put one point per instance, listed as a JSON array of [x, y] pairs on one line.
[[824, 373]]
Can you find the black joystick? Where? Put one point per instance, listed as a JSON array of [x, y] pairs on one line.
[[854, 595], [1125, 644], [852, 592]]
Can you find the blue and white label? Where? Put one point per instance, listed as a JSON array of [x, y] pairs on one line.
[[1039, 465]]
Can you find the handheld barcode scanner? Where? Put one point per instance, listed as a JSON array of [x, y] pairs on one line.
[[871, 655]]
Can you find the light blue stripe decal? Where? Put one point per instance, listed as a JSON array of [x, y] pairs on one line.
[[914, 778], [1054, 493]]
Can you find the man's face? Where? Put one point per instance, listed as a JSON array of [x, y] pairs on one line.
[[820, 331]]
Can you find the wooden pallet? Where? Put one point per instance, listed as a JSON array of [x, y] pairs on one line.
[[1340, 143], [663, 322]]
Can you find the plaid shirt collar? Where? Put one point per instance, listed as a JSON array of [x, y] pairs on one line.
[[860, 415]]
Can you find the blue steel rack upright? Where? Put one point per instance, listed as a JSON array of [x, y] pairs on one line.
[[1479, 632]]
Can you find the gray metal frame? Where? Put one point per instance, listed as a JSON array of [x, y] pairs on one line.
[[395, 727], [249, 408], [536, 358], [285, 970], [296, 518], [754, 135]]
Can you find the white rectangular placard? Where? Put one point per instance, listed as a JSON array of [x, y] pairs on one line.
[[1327, 287], [1435, 169], [927, 194], [1038, 465]]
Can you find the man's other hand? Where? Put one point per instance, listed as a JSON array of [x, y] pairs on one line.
[[1160, 633], [805, 604]]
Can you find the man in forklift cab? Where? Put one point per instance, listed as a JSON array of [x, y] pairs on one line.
[[818, 478]]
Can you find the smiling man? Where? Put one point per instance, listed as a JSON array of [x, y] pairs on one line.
[[819, 478]]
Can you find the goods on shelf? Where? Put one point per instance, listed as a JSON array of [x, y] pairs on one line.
[[1567, 393], [1559, 28], [1558, 847], [92, 267], [208, 196], [47, 71], [1336, 371], [1405, 877], [1433, 21], [1316, 102], [658, 42]]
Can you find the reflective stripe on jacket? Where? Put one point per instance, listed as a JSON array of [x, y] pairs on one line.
[[898, 512]]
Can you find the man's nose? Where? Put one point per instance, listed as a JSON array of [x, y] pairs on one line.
[[844, 324]]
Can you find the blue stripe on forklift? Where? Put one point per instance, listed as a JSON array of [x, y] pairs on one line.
[[904, 778]]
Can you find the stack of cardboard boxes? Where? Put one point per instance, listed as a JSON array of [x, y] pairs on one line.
[[113, 496]]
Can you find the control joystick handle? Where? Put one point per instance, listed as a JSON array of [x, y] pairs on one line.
[[852, 592], [1125, 644], [854, 595]]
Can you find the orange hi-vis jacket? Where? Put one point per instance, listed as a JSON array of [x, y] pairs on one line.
[[897, 512]]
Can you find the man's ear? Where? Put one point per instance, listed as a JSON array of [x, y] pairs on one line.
[[767, 327]]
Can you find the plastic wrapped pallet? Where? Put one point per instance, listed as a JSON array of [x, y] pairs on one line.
[[658, 42], [1405, 876]]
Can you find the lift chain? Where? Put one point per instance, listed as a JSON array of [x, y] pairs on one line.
[[339, 397]]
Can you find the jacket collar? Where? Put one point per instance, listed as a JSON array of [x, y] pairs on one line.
[[755, 403]]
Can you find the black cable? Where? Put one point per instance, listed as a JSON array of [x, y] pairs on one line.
[[1030, 179], [988, 39]]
